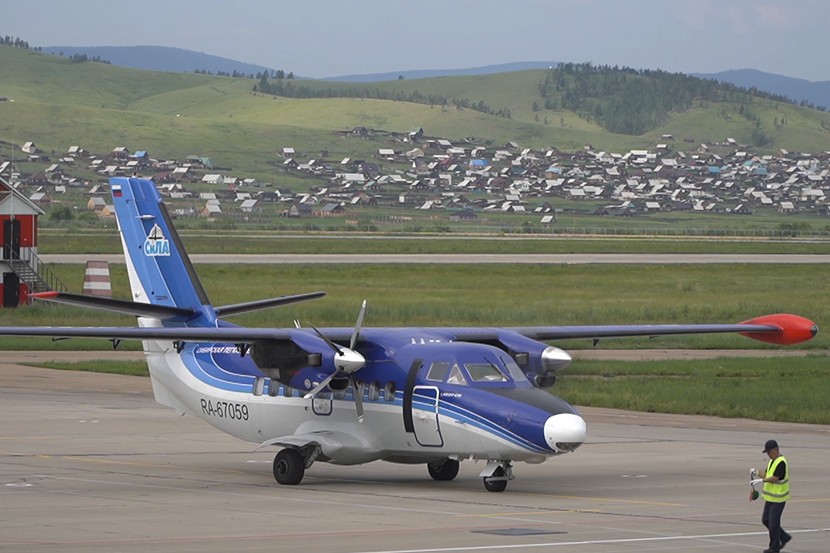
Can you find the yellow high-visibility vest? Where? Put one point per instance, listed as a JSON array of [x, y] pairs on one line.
[[777, 492]]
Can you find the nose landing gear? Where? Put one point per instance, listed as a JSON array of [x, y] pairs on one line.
[[496, 475]]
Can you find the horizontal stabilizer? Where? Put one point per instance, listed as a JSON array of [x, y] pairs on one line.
[[246, 307], [125, 307], [231, 335]]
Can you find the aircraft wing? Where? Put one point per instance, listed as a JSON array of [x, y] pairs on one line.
[[782, 329]]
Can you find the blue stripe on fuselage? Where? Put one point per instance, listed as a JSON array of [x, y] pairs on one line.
[[220, 366], [500, 418]]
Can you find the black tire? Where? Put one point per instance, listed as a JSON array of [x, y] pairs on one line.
[[446, 470], [289, 467], [496, 485]]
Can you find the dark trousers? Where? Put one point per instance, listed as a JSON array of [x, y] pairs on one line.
[[772, 520]]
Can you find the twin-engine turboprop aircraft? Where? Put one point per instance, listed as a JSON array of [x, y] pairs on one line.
[[434, 396]]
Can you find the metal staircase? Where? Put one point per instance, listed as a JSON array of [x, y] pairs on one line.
[[33, 272]]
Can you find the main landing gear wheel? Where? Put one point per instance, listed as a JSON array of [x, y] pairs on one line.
[[497, 482], [443, 470], [289, 467]]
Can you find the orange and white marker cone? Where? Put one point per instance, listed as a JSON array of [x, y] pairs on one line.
[[97, 279]]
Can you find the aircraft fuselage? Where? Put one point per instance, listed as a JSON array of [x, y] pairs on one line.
[[424, 399]]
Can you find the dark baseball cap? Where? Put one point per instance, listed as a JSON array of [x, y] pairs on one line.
[[771, 444]]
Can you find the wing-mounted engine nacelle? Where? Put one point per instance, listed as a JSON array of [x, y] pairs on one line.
[[539, 361], [300, 362]]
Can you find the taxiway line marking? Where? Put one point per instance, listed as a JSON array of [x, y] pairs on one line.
[[589, 542]]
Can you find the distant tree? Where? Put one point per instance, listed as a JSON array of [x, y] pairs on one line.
[[61, 213]]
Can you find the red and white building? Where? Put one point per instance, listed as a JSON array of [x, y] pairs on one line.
[[18, 235]]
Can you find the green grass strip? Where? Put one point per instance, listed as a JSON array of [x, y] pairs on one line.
[[792, 389]]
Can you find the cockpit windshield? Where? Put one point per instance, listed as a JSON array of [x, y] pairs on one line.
[[484, 372], [477, 369]]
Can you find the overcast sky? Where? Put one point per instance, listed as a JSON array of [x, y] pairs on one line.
[[324, 38]]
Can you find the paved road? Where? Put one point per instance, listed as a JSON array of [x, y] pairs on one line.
[[551, 259], [89, 463]]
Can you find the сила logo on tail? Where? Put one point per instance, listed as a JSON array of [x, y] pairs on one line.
[[156, 244]]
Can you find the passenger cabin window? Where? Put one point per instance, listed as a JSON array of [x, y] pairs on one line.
[[374, 391], [484, 372], [389, 391], [438, 371]]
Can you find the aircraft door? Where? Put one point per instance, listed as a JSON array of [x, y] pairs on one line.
[[425, 416]]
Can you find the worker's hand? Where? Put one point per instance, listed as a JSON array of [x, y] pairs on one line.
[[757, 481]]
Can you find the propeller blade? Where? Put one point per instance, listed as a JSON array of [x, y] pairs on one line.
[[358, 325], [325, 338], [347, 361], [358, 398]]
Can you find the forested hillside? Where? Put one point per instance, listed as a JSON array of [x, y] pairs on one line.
[[618, 100], [56, 98], [627, 101]]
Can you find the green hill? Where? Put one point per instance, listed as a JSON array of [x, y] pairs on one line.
[[57, 102]]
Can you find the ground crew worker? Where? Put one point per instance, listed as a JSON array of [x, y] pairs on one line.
[[776, 492]]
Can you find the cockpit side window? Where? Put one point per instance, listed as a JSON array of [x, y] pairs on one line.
[[438, 371], [513, 369], [484, 372], [456, 376]]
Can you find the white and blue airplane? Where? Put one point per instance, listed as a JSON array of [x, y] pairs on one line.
[[434, 396]]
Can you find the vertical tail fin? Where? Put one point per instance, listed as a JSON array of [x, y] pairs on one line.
[[159, 269]]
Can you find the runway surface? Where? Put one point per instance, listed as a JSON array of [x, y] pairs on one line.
[[89, 463], [554, 259]]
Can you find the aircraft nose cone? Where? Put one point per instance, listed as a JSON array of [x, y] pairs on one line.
[[565, 432]]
